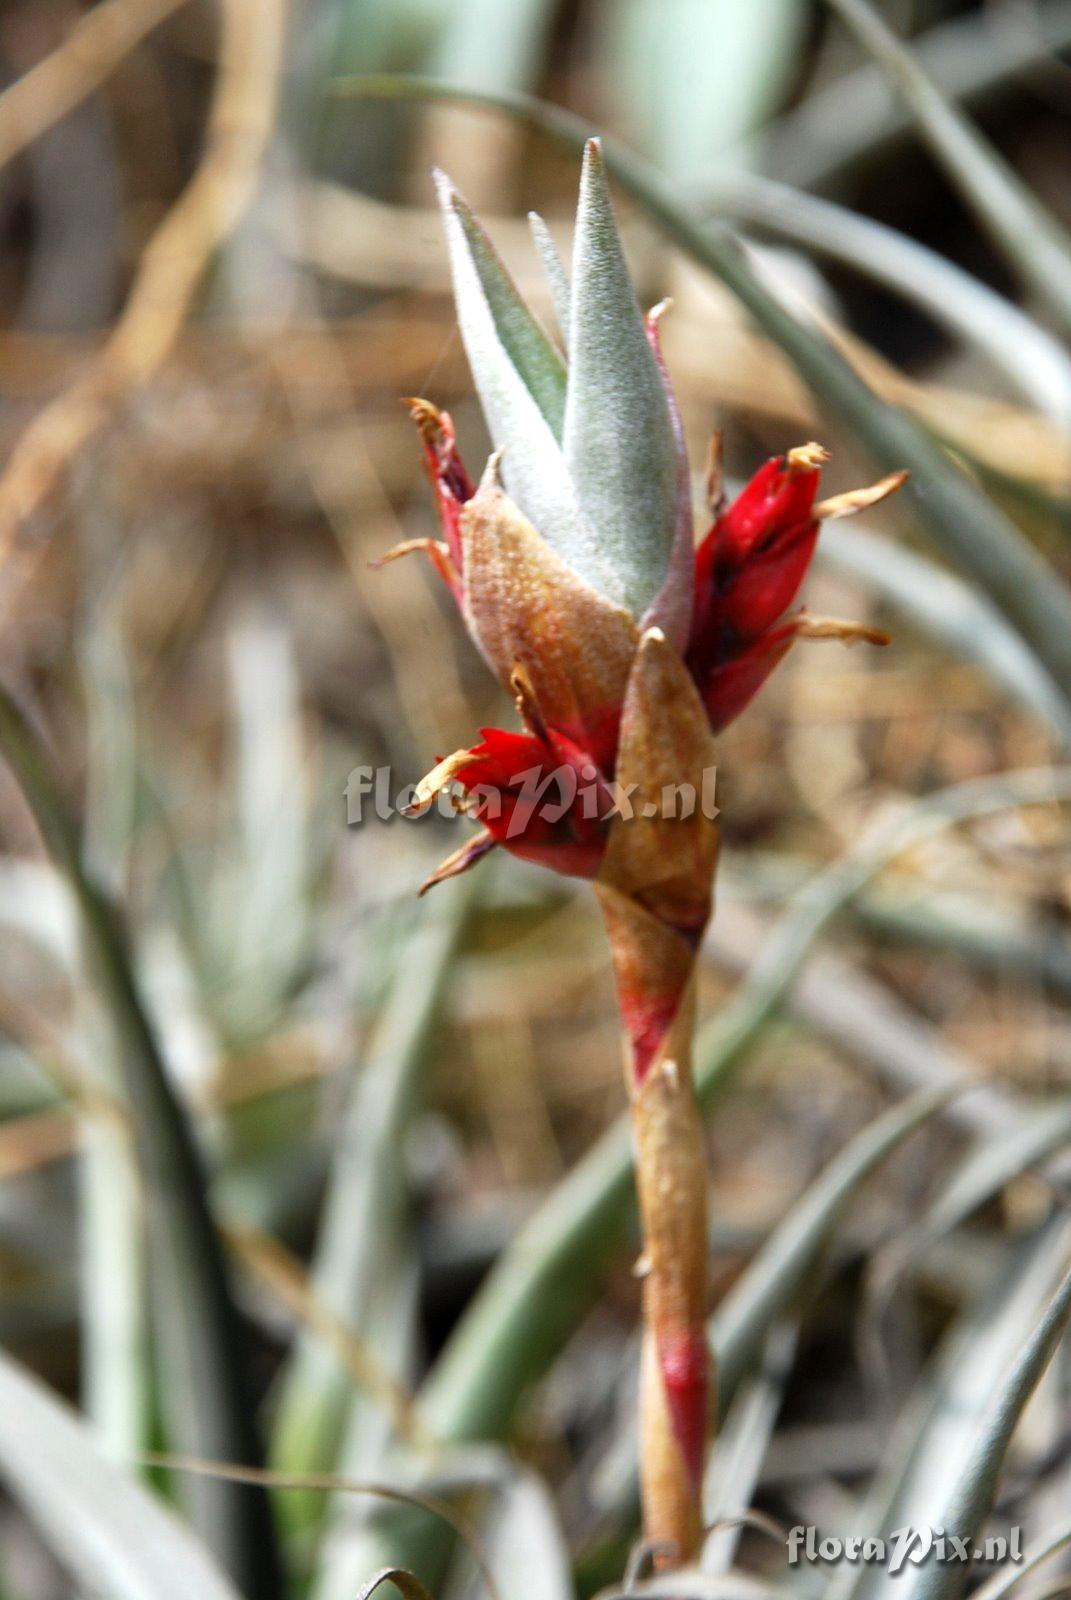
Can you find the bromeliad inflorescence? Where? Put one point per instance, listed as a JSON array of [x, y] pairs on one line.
[[625, 647]]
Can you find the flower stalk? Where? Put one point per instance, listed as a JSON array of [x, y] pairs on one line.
[[625, 647], [655, 887]]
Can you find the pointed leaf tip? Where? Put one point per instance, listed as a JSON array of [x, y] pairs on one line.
[[537, 362], [554, 269], [494, 331], [619, 440]]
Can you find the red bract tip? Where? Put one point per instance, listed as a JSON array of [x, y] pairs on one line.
[[751, 564], [452, 484], [542, 798], [748, 571]]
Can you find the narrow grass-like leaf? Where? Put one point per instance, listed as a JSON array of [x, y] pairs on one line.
[[407, 1584], [618, 440], [115, 1336], [198, 1326], [114, 1537], [743, 1440], [554, 267], [1036, 363], [390, 1329], [366, 1193], [772, 1282], [855, 119], [948, 610], [1041, 1131], [1008, 1577], [695, 77], [970, 1498], [260, 916], [995, 935], [1031, 239], [941, 1468], [966, 524]]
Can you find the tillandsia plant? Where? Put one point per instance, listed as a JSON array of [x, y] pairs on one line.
[[626, 648]]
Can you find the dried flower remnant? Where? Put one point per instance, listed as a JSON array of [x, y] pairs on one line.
[[625, 646]]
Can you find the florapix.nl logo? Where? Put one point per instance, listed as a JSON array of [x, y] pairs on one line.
[[900, 1548], [550, 793]]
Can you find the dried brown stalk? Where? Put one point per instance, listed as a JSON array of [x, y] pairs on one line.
[[71, 73], [172, 265]]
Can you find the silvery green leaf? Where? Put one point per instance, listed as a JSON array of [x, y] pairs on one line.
[[972, 1489], [389, 1325], [539, 365], [942, 1462], [1041, 1131], [773, 1281], [1008, 1576], [533, 467], [554, 267], [618, 441], [406, 1583], [486, 45], [671, 608], [114, 1538], [1030, 236], [364, 1207], [699, 76], [732, 1474], [522, 1540]]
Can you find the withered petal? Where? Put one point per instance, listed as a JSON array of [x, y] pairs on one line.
[[806, 457], [460, 860], [810, 625], [715, 475], [855, 500], [438, 553], [433, 782]]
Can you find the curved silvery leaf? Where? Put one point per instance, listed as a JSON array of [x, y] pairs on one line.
[[941, 1465], [973, 1487], [533, 465], [115, 1538], [771, 1284], [554, 267], [619, 440]]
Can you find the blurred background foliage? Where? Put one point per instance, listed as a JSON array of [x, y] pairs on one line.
[[292, 1163]]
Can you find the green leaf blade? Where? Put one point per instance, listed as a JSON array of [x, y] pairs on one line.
[[1031, 239], [111, 1534], [770, 1284], [533, 466], [538, 364], [554, 268], [619, 441]]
